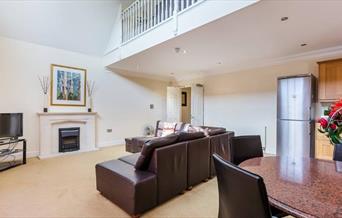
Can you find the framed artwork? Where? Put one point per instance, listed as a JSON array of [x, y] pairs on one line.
[[68, 86], [184, 102]]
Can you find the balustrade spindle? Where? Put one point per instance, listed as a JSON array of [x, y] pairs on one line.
[[151, 13], [143, 15], [168, 8], [130, 23], [160, 10], [135, 20], [138, 18]]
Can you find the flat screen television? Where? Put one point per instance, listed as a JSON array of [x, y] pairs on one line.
[[11, 125]]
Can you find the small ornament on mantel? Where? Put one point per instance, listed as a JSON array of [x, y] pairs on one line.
[[90, 89], [45, 84]]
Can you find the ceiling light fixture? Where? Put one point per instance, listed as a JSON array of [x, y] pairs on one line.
[[284, 18], [179, 50]]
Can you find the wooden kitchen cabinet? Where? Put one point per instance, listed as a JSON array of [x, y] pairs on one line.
[[330, 80], [323, 148]]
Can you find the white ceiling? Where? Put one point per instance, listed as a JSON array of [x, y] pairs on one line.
[[79, 26], [253, 35]]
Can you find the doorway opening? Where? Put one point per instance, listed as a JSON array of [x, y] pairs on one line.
[[186, 105]]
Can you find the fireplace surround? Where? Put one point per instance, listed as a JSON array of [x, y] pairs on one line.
[[69, 139], [51, 122]]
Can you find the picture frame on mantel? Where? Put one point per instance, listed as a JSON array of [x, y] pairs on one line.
[[68, 86]]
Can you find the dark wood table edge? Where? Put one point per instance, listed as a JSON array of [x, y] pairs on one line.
[[288, 209]]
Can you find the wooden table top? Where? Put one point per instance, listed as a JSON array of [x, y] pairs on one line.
[[303, 187]]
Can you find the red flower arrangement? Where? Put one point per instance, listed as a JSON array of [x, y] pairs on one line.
[[332, 125]]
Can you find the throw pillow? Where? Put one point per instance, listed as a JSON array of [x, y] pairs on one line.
[[168, 129]]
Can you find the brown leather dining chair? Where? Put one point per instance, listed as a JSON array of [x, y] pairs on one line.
[[337, 152], [245, 147], [241, 193]]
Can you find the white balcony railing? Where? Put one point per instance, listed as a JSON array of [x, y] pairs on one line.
[[143, 15]]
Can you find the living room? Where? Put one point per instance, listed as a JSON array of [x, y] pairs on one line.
[[236, 54]]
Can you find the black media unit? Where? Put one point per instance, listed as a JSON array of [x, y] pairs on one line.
[[11, 152]]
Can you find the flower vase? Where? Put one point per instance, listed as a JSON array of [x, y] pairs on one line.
[[90, 104], [45, 106]]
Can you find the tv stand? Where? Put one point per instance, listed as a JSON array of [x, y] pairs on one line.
[[8, 156]]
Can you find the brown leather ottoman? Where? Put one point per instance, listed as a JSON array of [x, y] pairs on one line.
[[132, 190]]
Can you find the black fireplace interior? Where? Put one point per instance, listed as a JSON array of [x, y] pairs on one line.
[[69, 139]]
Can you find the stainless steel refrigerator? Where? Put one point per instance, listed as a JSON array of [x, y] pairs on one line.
[[295, 116]]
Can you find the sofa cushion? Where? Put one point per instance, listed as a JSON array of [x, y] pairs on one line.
[[167, 128], [216, 131], [179, 127], [187, 136], [130, 159], [148, 148], [193, 129], [185, 127]]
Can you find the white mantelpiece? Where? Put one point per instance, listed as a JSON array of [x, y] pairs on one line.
[[50, 123]]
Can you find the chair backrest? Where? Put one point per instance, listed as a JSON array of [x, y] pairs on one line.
[[245, 147], [338, 152], [241, 193]]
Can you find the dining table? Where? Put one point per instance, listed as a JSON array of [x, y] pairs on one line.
[[301, 187]]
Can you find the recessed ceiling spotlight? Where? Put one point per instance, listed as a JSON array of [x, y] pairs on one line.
[[284, 18], [180, 50], [219, 63], [303, 44]]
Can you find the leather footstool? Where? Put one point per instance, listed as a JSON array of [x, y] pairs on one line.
[[132, 190]]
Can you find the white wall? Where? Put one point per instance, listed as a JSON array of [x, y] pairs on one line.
[[245, 102], [122, 103]]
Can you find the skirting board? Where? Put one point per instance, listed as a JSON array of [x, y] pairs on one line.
[[66, 153], [116, 142], [29, 154]]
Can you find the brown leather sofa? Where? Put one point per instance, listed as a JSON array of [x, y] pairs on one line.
[[166, 167], [220, 141], [135, 144]]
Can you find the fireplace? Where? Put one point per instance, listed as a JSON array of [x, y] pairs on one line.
[[69, 139]]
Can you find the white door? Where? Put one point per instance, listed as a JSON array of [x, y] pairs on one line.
[[173, 104], [197, 105]]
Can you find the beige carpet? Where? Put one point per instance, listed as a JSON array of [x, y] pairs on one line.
[[65, 187]]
